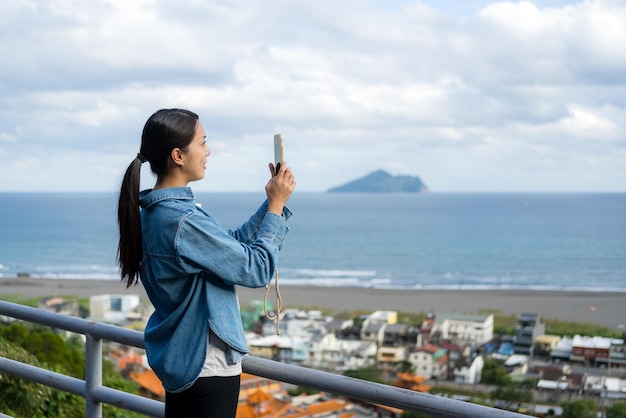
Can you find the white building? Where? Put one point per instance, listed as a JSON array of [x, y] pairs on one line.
[[373, 328], [471, 373], [329, 352], [429, 361], [113, 309], [464, 329], [296, 323], [384, 317]]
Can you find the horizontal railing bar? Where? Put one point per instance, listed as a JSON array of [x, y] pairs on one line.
[[74, 324], [370, 392], [78, 387], [129, 401], [43, 376]]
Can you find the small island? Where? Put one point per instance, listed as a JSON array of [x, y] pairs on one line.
[[382, 182]]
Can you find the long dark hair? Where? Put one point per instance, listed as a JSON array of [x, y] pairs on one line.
[[165, 130]]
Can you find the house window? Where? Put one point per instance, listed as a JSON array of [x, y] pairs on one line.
[[116, 304]]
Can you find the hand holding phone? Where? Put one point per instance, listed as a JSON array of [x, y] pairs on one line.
[[278, 189], [278, 151]]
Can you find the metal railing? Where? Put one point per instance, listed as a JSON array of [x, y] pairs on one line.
[[95, 394]]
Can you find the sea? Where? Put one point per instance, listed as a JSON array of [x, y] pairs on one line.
[[562, 241]]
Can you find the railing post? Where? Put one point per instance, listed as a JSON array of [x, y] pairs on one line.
[[93, 376]]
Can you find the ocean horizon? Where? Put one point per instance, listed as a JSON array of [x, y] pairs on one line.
[[534, 241]]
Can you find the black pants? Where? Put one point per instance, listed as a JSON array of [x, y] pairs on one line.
[[214, 397]]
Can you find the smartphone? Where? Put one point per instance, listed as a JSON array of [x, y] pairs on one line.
[[278, 151]]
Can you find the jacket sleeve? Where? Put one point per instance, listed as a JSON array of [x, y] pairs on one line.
[[248, 232], [203, 246]]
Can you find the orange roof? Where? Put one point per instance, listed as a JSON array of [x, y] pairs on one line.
[[429, 348], [54, 301], [275, 409], [128, 359], [333, 405], [410, 377], [245, 411], [421, 388], [443, 359], [389, 408], [247, 376], [284, 409], [149, 381], [259, 396]]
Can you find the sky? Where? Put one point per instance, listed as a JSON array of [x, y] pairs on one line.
[[471, 96]]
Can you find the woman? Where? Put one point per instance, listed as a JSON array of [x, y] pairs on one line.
[[189, 265]]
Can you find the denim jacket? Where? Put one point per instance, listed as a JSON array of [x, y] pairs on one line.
[[189, 269]]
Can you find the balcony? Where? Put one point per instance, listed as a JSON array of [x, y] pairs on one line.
[[95, 394]]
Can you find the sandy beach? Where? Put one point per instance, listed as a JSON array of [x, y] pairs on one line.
[[602, 308]]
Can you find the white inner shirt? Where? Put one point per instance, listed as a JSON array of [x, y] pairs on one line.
[[215, 363]]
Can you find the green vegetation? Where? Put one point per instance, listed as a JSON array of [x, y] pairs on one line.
[[587, 408], [512, 394], [355, 315], [324, 311], [569, 328], [410, 318], [618, 410], [371, 374], [32, 302], [21, 398], [47, 346], [83, 304], [302, 390], [582, 408], [494, 373], [41, 347], [505, 323]]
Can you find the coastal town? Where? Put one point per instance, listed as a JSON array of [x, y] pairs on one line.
[[447, 354]]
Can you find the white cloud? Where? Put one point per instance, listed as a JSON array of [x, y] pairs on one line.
[[500, 96], [590, 123]]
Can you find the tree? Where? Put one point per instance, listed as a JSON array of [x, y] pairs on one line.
[[370, 374], [113, 379], [617, 410], [582, 408], [495, 374], [49, 347], [19, 397], [41, 347], [300, 390], [22, 398], [403, 366], [512, 394]]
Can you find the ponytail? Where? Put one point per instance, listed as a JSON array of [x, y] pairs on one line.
[[165, 130], [129, 251]]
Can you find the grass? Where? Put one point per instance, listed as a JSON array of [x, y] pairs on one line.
[[34, 302], [506, 323]]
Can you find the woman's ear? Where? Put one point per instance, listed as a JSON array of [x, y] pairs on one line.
[[177, 156]]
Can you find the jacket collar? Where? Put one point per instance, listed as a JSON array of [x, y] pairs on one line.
[[150, 197]]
